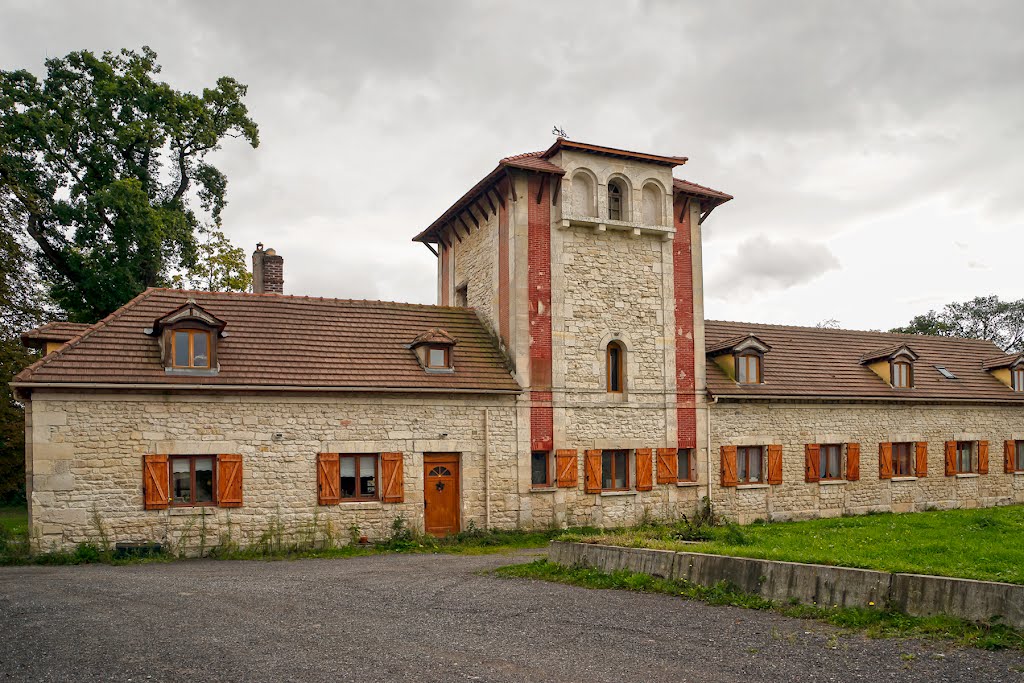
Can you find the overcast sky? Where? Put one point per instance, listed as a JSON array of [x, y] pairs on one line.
[[875, 149]]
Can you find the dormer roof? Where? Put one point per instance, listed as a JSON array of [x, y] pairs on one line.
[[1004, 361], [743, 342], [889, 353], [57, 332], [434, 336], [190, 310]]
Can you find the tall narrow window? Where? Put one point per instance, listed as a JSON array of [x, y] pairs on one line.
[[1018, 379], [750, 464], [901, 374], [1018, 451], [190, 349], [964, 457], [686, 467], [902, 461], [616, 367], [831, 461], [540, 469], [748, 368], [615, 470], [616, 201]]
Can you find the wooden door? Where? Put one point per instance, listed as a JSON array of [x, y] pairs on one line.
[[441, 493]]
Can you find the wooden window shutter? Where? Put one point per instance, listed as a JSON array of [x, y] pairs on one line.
[[393, 485], [775, 464], [668, 465], [812, 463], [1009, 451], [328, 479], [950, 458], [885, 460], [853, 462], [155, 482], [921, 463], [229, 480], [567, 468], [983, 457], [729, 466], [644, 463], [592, 472]]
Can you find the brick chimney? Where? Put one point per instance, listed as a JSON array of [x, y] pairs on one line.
[[267, 271]]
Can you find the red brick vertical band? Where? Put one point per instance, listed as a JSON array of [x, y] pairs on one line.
[[539, 286], [682, 276], [503, 278], [446, 275]]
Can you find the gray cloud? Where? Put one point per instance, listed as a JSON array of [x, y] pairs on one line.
[[824, 118], [760, 263]]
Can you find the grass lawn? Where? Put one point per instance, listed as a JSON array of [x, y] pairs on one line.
[[14, 519], [985, 544]]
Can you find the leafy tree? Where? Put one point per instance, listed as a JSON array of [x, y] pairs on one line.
[[105, 169], [983, 317], [220, 266]]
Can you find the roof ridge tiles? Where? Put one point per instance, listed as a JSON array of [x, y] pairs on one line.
[[306, 297], [900, 335]]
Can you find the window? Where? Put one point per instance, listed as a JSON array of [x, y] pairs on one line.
[[945, 372], [902, 460], [540, 469], [358, 477], [964, 457], [192, 479], [1017, 378], [616, 363], [901, 374], [616, 201], [1019, 456], [748, 368], [462, 295], [831, 465], [191, 349], [750, 465], [615, 470], [687, 467], [437, 357]]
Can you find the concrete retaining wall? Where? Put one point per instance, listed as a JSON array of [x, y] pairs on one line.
[[811, 583]]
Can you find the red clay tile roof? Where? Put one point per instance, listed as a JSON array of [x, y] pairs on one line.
[[808, 362], [1002, 361], [564, 143], [55, 332], [288, 341], [695, 190]]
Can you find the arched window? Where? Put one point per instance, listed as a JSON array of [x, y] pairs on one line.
[[616, 364], [618, 205], [652, 208], [583, 203]]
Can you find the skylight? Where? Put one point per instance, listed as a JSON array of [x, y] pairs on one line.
[[944, 372]]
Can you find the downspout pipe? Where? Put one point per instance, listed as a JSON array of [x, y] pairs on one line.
[[707, 407], [487, 470]]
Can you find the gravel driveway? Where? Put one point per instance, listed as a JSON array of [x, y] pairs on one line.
[[419, 618]]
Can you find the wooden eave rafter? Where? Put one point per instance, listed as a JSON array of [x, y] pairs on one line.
[[555, 191]]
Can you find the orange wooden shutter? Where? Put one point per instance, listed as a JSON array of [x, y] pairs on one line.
[[592, 472], [852, 461], [668, 465], [885, 460], [155, 482], [392, 484], [567, 468], [812, 463], [921, 466], [775, 464], [328, 479], [983, 457], [229, 480], [950, 458], [729, 466], [644, 463], [1009, 448]]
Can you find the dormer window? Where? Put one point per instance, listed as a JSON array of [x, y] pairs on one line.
[[433, 350], [901, 370], [1008, 369], [748, 368], [894, 364], [1018, 378], [741, 358], [437, 357], [190, 349], [188, 339]]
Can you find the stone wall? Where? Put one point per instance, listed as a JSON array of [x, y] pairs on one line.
[[87, 451], [476, 266], [793, 425]]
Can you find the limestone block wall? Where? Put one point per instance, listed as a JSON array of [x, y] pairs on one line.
[[87, 449], [476, 265], [793, 425]]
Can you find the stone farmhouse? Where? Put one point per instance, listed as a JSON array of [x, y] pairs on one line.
[[567, 376]]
